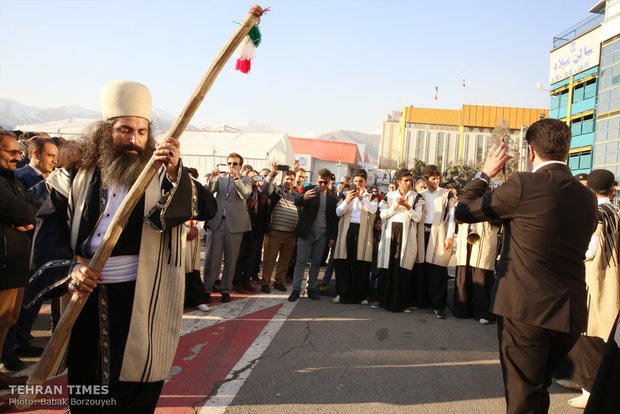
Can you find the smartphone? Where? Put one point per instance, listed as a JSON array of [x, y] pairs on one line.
[[258, 178], [283, 168], [317, 189], [223, 168]]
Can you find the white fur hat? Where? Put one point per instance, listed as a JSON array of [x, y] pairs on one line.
[[125, 98]]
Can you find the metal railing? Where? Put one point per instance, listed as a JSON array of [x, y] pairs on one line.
[[577, 29]]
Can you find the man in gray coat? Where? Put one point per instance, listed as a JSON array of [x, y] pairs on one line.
[[228, 225]]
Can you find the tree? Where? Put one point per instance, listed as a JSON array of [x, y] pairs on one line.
[[459, 174], [417, 168], [500, 131]]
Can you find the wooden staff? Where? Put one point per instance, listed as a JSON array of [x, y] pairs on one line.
[[63, 329], [501, 141]]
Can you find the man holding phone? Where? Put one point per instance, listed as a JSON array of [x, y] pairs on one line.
[[317, 227], [228, 225]]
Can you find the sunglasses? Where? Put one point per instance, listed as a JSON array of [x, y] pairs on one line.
[[233, 163], [319, 182]]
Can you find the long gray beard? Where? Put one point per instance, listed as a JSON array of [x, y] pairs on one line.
[[119, 168]]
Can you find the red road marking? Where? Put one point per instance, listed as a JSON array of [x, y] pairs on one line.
[[205, 357], [223, 345]]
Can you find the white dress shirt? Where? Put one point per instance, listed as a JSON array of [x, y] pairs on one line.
[[356, 208]]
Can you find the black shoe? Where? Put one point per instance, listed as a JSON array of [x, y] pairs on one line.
[[440, 314], [256, 279], [12, 363], [294, 296], [280, 287], [28, 351], [208, 298], [265, 289], [313, 294], [225, 297]]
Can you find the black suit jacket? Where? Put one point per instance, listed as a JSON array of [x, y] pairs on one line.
[[548, 218], [309, 210]]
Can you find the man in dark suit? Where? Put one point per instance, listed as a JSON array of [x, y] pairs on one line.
[[540, 293], [43, 158], [317, 227]]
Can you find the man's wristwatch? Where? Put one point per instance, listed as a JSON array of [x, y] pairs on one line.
[[483, 176]]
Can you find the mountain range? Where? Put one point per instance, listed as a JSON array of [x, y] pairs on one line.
[[14, 113]]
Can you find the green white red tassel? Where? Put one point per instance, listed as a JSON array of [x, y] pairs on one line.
[[246, 51]]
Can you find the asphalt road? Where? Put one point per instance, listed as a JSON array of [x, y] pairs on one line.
[[353, 359], [332, 358]]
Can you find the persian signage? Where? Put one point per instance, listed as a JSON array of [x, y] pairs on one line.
[[580, 54]]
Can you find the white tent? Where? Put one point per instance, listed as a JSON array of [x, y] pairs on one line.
[[204, 150], [66, 128]]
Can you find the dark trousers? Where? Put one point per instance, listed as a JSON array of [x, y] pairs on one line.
[[19, 334], [395, 282], [352, 275], [431, 283], [529, 356], [582, 362], [95, 354], [472, 293], [251, 245], [605, 398]]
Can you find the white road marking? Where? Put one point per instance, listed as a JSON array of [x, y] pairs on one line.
[[229, 389]]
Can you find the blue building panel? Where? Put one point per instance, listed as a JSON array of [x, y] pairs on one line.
[[584, 140], [592, 71], [583, 106]]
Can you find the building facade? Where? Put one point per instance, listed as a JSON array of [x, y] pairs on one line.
[[445, 136], [584, 78]]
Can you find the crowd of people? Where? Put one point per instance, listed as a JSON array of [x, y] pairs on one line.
[[520, 252]]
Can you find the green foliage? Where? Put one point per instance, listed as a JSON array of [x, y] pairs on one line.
[[501, 130], [417, 168], [459, 174]]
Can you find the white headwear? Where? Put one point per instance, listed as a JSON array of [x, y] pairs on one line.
[[125, 98]]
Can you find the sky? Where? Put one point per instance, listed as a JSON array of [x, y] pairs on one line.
[[322, 66]]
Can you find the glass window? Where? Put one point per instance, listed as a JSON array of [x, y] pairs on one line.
[[440, 147], [479, 147], [587, 126], [575, 128], [611, 147], [613, 122], [590, 89], [420, 147], [599, 160], [573, 162], [466, 148], [578, 93], [611, 158]]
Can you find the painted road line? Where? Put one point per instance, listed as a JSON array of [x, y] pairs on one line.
[[228, 390]]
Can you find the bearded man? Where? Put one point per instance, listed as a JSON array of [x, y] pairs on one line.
[[126, 335]]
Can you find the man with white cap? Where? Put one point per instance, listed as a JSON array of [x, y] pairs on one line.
[[123, 343]]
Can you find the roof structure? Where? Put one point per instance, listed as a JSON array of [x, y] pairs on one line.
[[346, 152], [249, 145], [72, 126]]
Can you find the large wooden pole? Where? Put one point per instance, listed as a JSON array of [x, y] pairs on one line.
[[63, 329]]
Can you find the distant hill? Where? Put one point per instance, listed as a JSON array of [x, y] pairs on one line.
[[14, 113], [370, 140]]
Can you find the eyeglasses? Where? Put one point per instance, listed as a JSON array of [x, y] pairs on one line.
[[322, 182], [13, 153], [233, 163]]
